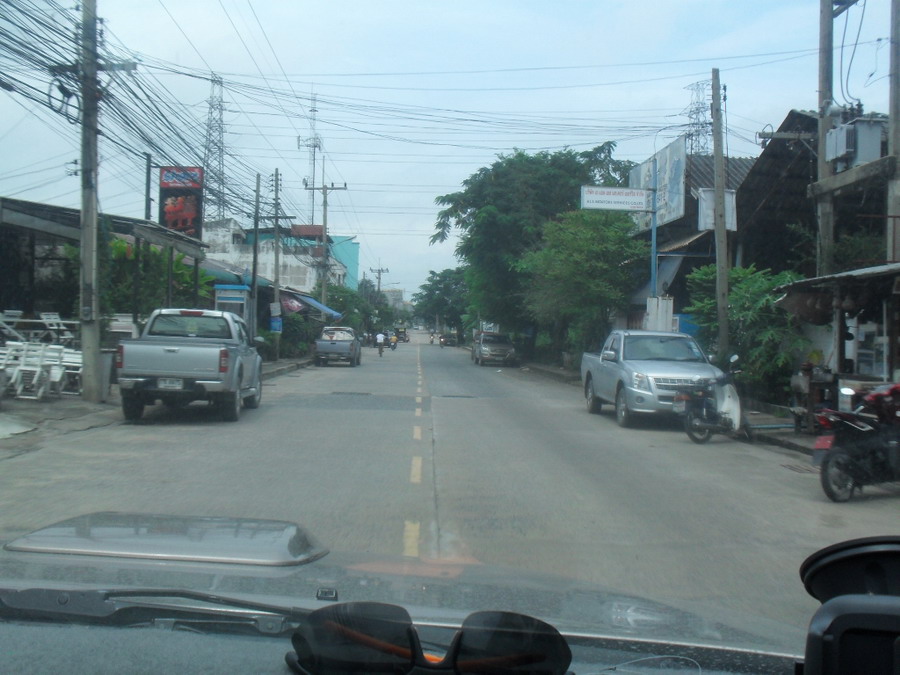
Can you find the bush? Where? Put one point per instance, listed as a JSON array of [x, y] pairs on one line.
[[767, 339]]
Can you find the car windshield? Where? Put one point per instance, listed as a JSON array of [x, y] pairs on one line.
[[420, 303], [189, 326], [661, 348]]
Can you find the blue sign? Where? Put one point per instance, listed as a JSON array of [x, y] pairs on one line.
[[275, 324]]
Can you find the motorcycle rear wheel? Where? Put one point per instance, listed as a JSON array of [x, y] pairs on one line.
[[837, 483], [695, 432]]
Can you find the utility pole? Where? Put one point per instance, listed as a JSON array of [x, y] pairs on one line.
[[825, 201], [723, 262], [94, 388], [253, 284], [325, 264], [277, 280], [378, 273], [893, 190], [92, 377]]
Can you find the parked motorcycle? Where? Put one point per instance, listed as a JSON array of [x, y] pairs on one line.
[[711, 406], [861, 447]]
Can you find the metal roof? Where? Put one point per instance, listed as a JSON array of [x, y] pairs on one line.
[[891, 269], [701, 171]]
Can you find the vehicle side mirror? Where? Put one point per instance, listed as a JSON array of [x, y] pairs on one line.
[[608, 355]]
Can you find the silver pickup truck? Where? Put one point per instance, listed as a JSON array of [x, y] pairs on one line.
[[338, 343], [639, 371], [186, 355]]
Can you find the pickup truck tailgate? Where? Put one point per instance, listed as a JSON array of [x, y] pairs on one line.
[[143, 359]]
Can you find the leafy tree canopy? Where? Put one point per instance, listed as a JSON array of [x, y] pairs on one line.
[[501, 212], [583, 273], [444, 295]]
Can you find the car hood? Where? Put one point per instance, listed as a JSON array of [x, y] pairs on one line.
[[279, 562]]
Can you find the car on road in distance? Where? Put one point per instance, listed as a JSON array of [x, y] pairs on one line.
[[448, 340], [493, 348], [338, 343], [639, 371]]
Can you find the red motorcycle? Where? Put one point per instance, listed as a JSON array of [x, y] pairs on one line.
[[861, 447]]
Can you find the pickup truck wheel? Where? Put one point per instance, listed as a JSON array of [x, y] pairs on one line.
[[594, 405], [132, 407], [623, 414], [231, 407], [353, 362], [252, 402]]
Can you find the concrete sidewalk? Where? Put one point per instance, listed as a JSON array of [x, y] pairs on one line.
[[71, 413], [61, 414]]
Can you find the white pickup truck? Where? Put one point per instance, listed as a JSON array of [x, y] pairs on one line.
[[186, 355]]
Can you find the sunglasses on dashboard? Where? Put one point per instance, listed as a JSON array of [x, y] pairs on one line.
[[372, 637]]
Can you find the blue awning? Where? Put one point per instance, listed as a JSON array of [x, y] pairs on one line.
[[314, 304]]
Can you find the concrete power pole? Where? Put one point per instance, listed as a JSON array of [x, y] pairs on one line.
[[92, 377], [325, 264], [893, 190], [825, 202], [277, 280], [378, 273], [723, 263]]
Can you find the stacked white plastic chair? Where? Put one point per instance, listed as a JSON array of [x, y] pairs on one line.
[[57, 329], [32, 377]]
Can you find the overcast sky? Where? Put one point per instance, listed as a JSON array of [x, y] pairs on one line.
[[415, 96]]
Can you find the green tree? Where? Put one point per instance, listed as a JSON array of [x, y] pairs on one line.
[[500, 214], [766, 338], [583, 273], [117, 262], [350, 304], [445, 295]]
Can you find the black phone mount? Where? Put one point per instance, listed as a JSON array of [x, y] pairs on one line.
[[857, 628]]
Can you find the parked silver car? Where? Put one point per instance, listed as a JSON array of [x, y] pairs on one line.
[[639, 371], [493, 347]]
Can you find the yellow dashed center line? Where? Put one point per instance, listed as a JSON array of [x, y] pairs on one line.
[[415, 470], [411, 538]]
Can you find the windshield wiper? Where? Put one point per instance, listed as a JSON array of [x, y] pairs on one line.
[[129, 607]]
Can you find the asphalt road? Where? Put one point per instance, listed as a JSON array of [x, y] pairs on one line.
[[424, 454]]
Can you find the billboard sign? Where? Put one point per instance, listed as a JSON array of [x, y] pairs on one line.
[[615, 198], [181, 199], [671, 164]]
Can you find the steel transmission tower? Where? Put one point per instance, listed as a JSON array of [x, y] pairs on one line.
[[700, 126], [214, 153], [313, 143]]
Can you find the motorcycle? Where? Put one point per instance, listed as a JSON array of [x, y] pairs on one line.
[[711, 406], [393, 345], [859, 448]]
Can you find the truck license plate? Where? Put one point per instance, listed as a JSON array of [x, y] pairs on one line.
[[170, 383]]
